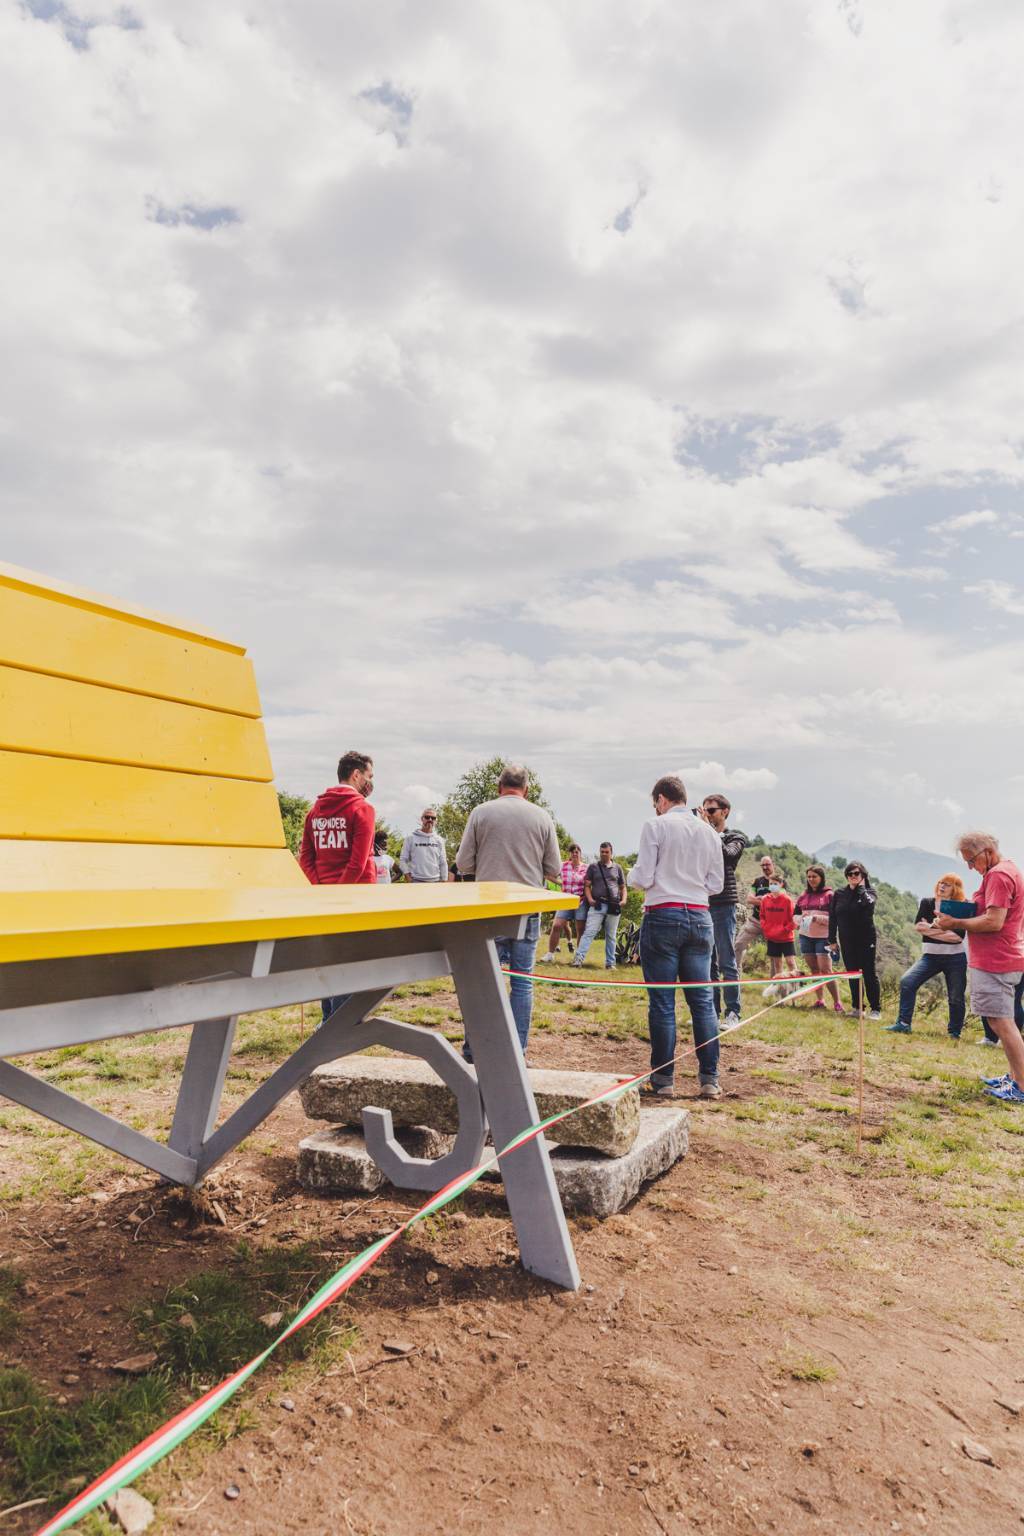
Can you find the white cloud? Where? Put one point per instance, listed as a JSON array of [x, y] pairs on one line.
[[730, 778], [1000, 594], [964, 520]]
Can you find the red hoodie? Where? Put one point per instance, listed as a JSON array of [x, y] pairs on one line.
[[337, 840], [777, 917]]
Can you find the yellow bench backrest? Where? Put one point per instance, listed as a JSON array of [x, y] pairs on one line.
[[132, 751]]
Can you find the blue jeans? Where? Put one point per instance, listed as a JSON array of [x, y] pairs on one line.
[[954, 969], [675, 945], [595, 917], [329, 1004], [518, 955], [723, 959]]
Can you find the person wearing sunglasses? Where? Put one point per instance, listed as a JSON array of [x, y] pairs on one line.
[[852, 917], [423, 857], [722, 907], [995, 952]]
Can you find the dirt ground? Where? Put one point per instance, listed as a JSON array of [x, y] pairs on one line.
[[773, 1337]]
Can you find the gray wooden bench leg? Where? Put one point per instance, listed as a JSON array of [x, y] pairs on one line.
[[533, 1200], [55, 1104], [202, 1082]]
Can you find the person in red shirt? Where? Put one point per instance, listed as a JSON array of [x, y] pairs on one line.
[[779, 929], [337, 839], [995, 952]]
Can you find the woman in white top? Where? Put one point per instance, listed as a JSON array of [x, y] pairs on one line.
[[943, 954]]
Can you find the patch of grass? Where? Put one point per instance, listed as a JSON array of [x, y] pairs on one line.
[[210, 1324], [806, 1368], [11, 1286], [43, 1443]]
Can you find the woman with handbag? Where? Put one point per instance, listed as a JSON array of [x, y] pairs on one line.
[[812, 913]]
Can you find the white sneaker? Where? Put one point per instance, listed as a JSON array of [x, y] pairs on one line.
[[873, 1015], [546, 957], [731, 1020]]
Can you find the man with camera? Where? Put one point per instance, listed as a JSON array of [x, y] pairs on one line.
[[722, 907], [604, 893]]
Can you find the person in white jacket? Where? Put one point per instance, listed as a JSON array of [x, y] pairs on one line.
[[678, 867], [423, 855]]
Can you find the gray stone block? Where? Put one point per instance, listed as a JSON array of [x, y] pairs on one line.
[[409, 1089], [589, 1184], [337, 1162]]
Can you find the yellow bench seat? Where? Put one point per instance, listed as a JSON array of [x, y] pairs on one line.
[[49, 925]]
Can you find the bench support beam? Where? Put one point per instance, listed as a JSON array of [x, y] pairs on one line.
[[202, 1082], [533, 1199], [57, 1105]]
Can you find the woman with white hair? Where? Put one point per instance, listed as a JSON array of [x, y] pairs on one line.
[[995, 951]]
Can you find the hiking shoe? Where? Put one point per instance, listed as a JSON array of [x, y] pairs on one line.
[[954, 1034], [874, 1015], [713, 1091], [898, 1028], [997, 1082], [577, 964], [1007, 1093], [649, 1090]]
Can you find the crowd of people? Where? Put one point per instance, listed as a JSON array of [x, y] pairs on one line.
[[686, 868]]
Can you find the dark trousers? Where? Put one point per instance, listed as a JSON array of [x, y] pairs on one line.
[[859, 955], [954, 969]]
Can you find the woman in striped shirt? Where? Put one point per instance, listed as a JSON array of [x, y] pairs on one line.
[[570, 920]]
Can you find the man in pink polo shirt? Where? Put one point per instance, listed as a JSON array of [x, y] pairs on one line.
[[995, 952], [678, 867]]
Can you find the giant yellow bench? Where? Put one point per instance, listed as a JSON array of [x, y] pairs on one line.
[[145, 884]]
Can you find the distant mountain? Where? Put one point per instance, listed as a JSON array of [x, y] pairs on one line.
[[908, 869]]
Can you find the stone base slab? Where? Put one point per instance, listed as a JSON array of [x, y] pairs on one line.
[[415, 1096], [337, 1162]]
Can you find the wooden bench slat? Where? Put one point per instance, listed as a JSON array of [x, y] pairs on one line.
[[37, 925], [60, 636], [56, 799], [58, 717], [30, 865]]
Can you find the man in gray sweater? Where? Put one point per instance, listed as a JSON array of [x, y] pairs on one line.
[[510, 839], [423, 856]]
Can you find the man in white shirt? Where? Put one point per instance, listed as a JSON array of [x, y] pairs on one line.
[[423, 856], [679, 866]]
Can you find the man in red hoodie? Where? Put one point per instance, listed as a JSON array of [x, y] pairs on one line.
[[337, 840]]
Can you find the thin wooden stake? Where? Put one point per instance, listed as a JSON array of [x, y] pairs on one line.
[[860, 1065]]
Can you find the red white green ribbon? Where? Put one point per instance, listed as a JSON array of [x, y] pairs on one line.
[[162, 1441], [679, 986]]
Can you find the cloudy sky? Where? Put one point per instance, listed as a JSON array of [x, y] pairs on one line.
[[625, 389]]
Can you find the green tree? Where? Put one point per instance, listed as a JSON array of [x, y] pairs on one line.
[[293, 816], [476, 787]]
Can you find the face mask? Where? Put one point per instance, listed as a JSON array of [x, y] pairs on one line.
[[775, 888]]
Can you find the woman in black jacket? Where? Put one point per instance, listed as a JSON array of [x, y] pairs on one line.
[[852, 917]]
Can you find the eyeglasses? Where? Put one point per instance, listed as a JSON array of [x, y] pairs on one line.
[[430, 818]]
